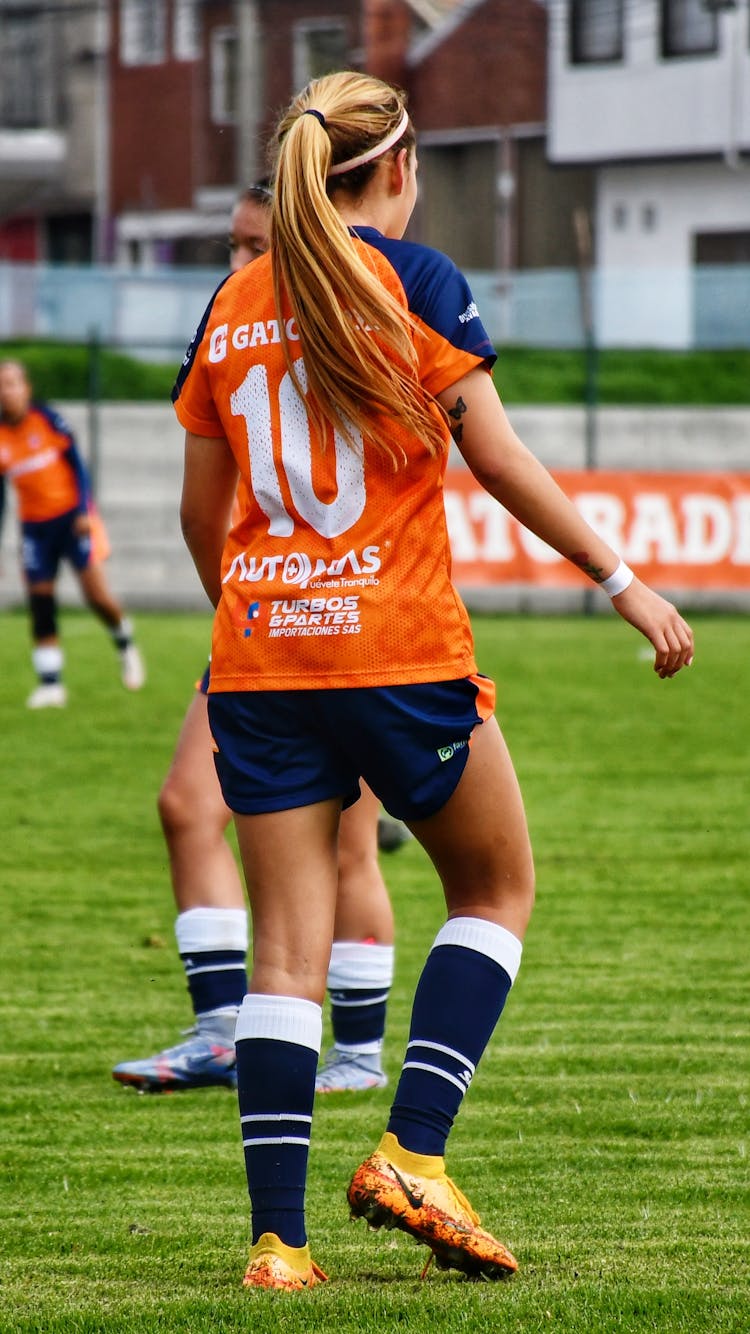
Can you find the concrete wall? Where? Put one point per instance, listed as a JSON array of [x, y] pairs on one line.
[[140, 473]]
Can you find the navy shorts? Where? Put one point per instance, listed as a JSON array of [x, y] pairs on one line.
[[46, 543], [276, 750]]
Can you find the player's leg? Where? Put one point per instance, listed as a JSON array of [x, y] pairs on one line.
[[361, 968], [102, 602], [478, 842], [46, 654], [211, 926], [40, 559], [290, 863]]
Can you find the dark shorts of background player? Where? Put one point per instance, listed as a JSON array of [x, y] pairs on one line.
[[46, 543], [276, 750]]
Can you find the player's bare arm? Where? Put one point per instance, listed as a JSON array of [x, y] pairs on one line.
[[509, 471], [208, 490]]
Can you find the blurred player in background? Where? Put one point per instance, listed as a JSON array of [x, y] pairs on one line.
[[38, 454], [211, 927], [330, 416]]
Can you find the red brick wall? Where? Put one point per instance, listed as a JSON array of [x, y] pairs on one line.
[[277, 19], [163, 145], [386, 29], [490, 71]]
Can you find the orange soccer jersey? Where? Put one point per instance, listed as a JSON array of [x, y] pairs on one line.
[[32, 451], [337, 574]]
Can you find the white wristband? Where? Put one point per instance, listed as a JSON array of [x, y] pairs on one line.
[[618, 581]]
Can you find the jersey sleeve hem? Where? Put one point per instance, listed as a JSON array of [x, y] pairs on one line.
[[445, 376], [198, 425]]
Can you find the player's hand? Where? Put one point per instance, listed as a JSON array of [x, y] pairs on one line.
[[662, 625], [82, 525]]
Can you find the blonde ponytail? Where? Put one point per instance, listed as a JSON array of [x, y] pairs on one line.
[[356, 338]]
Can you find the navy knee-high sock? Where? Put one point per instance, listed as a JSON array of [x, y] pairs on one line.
[[460, 996], [278, 1044]]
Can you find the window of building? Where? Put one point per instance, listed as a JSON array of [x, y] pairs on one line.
[[596, 31], [143, 32], [649, 217], [223, 76], [186, 36], [620, 217], [23, 72], [721, 248], [318, 48], [688, 28]]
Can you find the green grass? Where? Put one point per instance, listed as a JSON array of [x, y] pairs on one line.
[[605, 1136], [640, 376], [637, 376]]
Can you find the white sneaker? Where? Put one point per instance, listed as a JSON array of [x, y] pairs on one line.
[[132, 670], [48, 695]]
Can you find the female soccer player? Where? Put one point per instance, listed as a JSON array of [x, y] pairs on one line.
[[211, 925], [327, 374], [38, 453]]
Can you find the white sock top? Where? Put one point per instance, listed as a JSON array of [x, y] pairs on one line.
[[476, 933], [200, 930]]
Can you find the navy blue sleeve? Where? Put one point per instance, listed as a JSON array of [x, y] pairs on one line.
[[195, 343], [72, 457], [437, 293], [70, 454]]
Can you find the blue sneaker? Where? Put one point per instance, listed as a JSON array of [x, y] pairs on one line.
[[202, 1060], [349, 1072]]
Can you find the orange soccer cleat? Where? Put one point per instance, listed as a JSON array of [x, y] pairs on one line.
[[395, 1188], [273, 1264]]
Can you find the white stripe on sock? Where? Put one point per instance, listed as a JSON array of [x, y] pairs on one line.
[[215, 968], [354, 1004], [274, 1116], [447, 1051], [461, 1084], [276, 1139]]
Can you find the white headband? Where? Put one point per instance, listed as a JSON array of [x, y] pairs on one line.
[[372, 153]]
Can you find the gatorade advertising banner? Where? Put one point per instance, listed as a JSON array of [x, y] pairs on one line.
[[677, 530]]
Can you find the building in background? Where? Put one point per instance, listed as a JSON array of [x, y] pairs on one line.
[[173, 130], [133, 123], [51, 130], [654, 96]]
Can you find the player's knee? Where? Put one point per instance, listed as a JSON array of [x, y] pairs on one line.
[[184, 808], [175, 809], [43, 609]]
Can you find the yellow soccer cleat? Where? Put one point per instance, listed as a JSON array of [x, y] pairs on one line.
[[395, 1188], [272, 1264]]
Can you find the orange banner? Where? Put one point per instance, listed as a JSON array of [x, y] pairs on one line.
[[677, 530]]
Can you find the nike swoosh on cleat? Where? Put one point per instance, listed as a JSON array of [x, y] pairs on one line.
[[415, 1200]]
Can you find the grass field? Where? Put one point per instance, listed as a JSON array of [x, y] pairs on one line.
[[605, 1138]]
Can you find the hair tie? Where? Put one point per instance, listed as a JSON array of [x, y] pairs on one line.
[[310, 111]]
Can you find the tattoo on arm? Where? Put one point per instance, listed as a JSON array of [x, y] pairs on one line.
[[583, 561], [456, 413]]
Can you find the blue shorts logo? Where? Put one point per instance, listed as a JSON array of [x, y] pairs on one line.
[[447, 752]]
